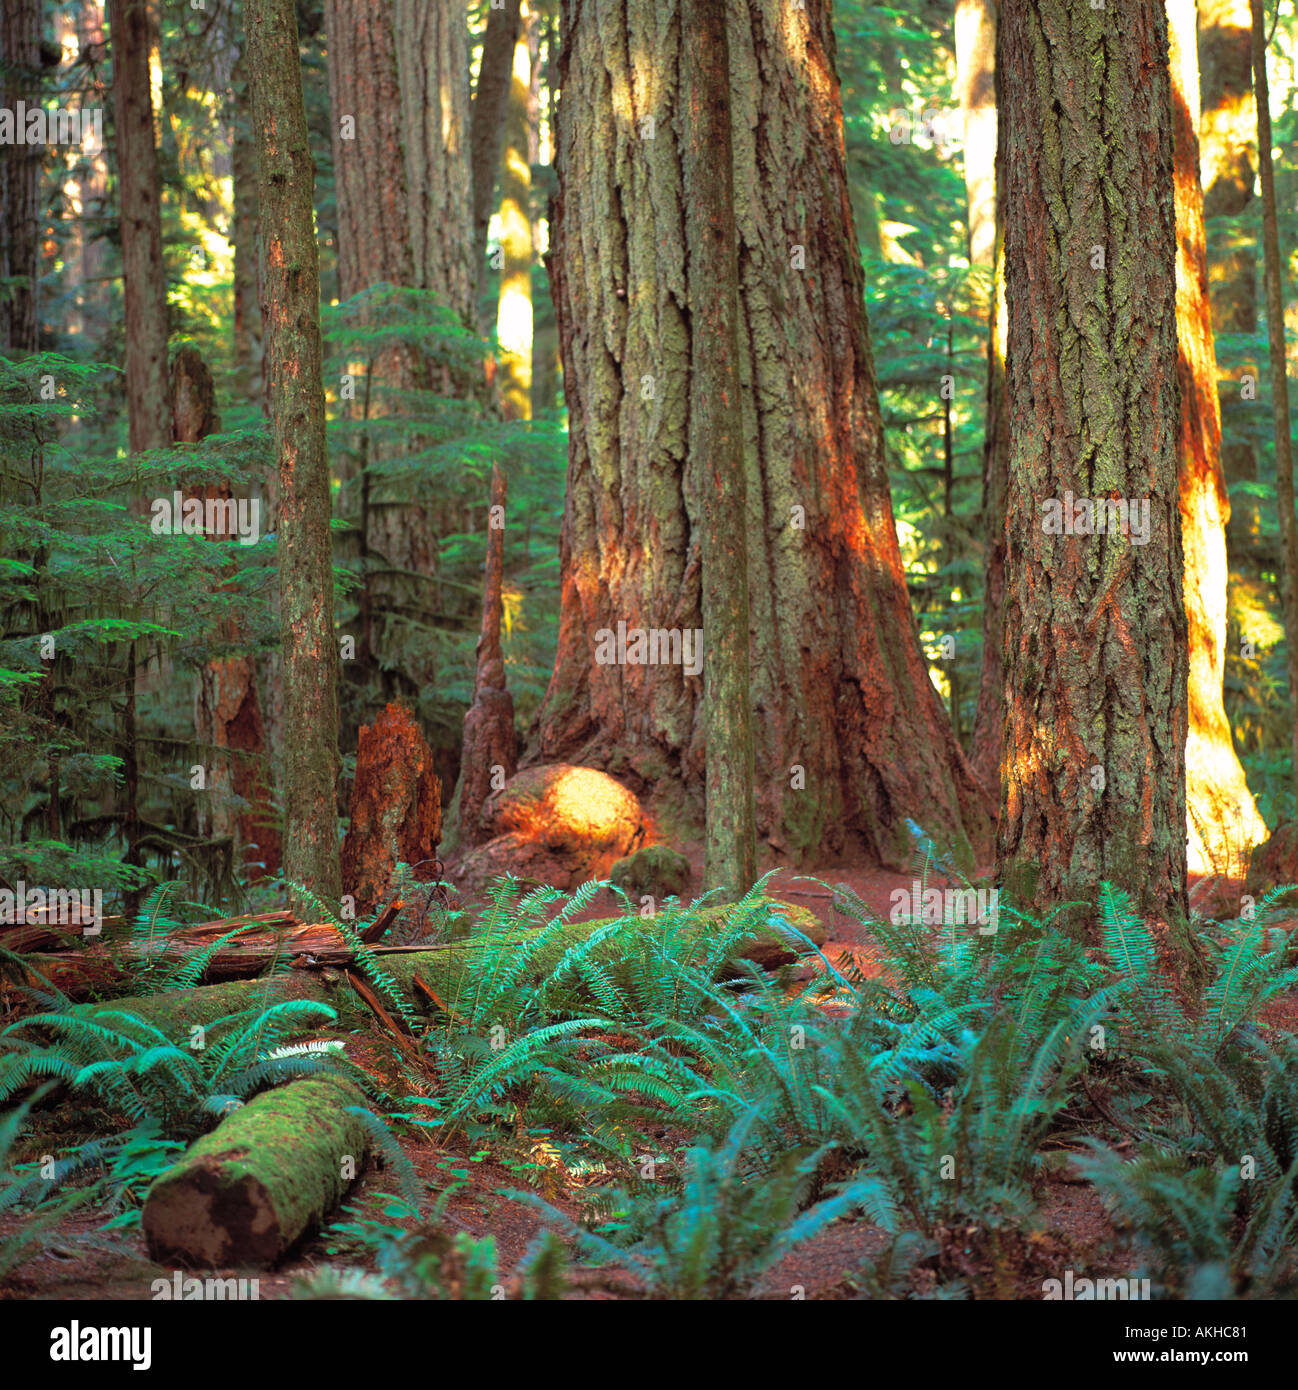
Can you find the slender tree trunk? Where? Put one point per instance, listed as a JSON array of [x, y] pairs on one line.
[[490, 101], [249, 350], [20, 165], [514, 311], [716, 445], [490, 754], [975, 61], [977, 87], [291, 315], [851, 737], [1274, 266], [1228, 156], [1095, 648], [144, 278], [1223, 823]]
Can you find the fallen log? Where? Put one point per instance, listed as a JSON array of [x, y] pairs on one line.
[[268, 1174], [310, 947]]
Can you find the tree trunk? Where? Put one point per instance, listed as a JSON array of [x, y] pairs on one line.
[[490, 101], [1095, 649], [1274, 266], [291, 315], [716, 450], [975, 61], [144, 279], [432, 75], [514, 311], [249, 350], [20, 166], [1223, 823], [490, 750], [851, 735], [1228, 156]]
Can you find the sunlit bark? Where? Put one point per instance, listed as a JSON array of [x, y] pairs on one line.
[[1223, 823], [1095, 647], [851, 738]]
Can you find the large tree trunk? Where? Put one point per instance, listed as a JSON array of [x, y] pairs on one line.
[[1228, 156], [514, 308], [291, 315], [1223, 823], [851, 736], [1095, 650], [144, 280], [1275, 326], [249, 350], [716, 451], [20, 166]]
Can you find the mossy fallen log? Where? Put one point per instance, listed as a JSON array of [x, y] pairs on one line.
[[269, 1173], [446, 968], [176, 1011]]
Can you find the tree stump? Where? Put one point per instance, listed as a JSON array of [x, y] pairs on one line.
[[396, 808]]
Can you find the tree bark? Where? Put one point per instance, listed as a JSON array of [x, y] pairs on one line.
[[1223, 823], [249, 349], [490, 750], [1228, 154], [144, 278], [291, 315], [1095, 647], [851, 736], [716, 451], [490, 101], [20, 166], [1274, 268]]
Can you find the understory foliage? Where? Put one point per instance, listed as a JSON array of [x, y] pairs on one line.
[[719, 1116]]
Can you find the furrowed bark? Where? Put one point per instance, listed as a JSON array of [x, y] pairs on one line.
[[1095, 645], [291, 315]]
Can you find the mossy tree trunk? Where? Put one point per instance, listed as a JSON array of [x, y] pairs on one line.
[[716, 450], [1095, 647], [491, 99], [291, 316], [850, 734], [1223, 823]]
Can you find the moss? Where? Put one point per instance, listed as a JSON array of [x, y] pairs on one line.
[[269, 1173]]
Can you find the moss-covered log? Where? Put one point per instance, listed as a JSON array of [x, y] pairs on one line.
[[272, 1171], [176, 1011]]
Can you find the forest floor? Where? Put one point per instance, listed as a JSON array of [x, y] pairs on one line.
[[1073, 1230]]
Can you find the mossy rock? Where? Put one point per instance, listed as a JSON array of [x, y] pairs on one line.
[[654, 871]]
